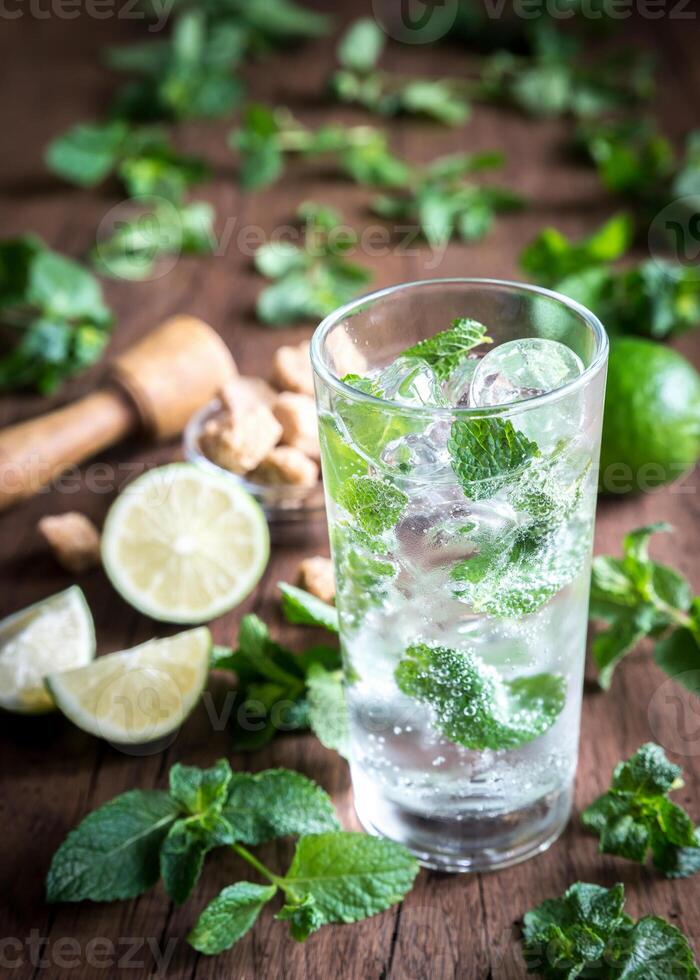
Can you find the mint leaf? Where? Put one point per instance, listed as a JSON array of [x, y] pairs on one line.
[[361, 45], [636, 816], [444, 204], [181, 860], [517, 574], [276, 803], [472, 705], [586, 933], [362, 576], [376, 505], [187, 76], [197, 790], [143, 157], [232, 913], [340, 460], [678, 653], [165, 228], [486, 453], [113, 852], [88, 152], [445, 351], [201, 793], [359, 82], [328, 713], [302, 608], [637, 597], [550, 257], [314, 280], [632, 158], [55, 318], [349, 876], [555, 80], [304, 918]]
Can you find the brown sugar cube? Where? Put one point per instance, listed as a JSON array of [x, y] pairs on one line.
[[241, 442], [316, 576], [74, 540], [243, 392], [347, 357], [291, 369], [285, 465], [297, 416]]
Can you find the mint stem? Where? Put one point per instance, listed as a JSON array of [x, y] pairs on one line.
[[252, 860]]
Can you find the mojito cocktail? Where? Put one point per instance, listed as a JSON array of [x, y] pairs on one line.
[[460, 456]]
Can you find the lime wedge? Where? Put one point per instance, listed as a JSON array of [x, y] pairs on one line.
[[52, 635], [183, 545], [137, 695]]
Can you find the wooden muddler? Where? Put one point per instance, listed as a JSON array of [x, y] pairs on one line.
[[156, 385]]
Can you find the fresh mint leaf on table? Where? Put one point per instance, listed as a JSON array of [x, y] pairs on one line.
[[636, 815], [276, 803], [114, 852], [444, 351], [232, 913], [636, 161], [269, 675], [159, 228], [53, 319], [185, 76], [311, 280], [335, 876], [655, 298], [551, 256], [444, 204], [633, 159], [587, 933], [555, 80], [304, 609], [637, 597], [142, 157], [266, 137], [359, 81], [473, 706]]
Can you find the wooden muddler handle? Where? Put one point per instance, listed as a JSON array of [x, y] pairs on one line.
[[156, 385]]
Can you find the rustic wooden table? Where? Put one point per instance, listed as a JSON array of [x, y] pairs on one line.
[[53, 774]]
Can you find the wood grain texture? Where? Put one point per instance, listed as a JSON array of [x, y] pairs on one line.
[[449, 927]]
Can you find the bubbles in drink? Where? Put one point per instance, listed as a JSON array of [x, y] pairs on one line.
[[520, 369]]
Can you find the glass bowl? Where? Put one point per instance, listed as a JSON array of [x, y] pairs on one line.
[[283, 504]]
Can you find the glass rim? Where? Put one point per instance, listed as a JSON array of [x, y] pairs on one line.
[[323, 372]]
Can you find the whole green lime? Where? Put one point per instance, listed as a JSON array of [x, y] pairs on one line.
[[651, 429]]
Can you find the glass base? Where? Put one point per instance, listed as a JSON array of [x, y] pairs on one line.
[[476, 841]]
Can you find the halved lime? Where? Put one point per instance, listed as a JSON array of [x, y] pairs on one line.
[[137, 695], [52, 635], [183, 545]]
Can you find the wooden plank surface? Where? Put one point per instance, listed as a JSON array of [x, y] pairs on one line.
[[449, 926]]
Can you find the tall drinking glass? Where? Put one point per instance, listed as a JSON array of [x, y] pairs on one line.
[[460, 478]]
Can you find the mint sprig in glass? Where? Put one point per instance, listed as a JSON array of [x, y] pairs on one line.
[[460, 428]]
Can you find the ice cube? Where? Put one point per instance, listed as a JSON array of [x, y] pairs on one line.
[[421, 455], [456, 387], [411, 382], [520, 369]]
